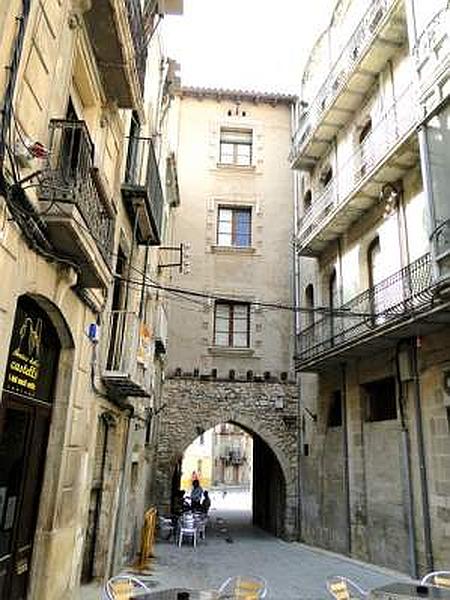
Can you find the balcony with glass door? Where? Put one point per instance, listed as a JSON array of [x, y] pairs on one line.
[[404, 304], [378, 37], [142, 191], [74, 204], [116, 30], [387, 152], [127, 355]]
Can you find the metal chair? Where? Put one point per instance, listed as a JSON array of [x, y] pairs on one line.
[[186, 527], [243, 587], [122, 587], [166, 526], [342, 588], [437, 578]]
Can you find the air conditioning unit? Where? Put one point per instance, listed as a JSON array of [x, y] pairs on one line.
[[170, 7]]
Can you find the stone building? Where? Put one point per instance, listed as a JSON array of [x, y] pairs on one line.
[[371, 155], [198, 462], [81, 204], [232, 456], [229, 356]]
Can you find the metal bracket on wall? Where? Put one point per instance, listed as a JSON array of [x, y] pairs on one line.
[[290, 422]]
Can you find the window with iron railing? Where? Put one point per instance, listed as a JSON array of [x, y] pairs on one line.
[[71, 177]]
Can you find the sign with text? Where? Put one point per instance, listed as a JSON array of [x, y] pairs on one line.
[[33, 352]]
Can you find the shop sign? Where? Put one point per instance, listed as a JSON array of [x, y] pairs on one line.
[[32, 353]]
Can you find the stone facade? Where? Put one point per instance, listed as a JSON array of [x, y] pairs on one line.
[[375, 423], [62, 237], [253, 406], [230, 349]]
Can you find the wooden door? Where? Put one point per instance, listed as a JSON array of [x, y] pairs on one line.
[[23, 444]]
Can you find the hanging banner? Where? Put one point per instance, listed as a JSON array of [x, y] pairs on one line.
[[144, 352]]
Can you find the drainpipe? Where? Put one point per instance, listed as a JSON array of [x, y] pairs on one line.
[[406, 456], [296, 328], [421, 456], [120, 521], [108, 421], [346, 459]]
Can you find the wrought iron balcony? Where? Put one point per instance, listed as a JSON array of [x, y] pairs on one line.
[[142, 190], [432, 52], [348, 80], [401, 298], [74, 204], [333, 210], [116, 29], [127, 350], [231, 456]]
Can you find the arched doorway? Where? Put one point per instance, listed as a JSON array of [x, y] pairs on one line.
[[230, 458], [25, 416]]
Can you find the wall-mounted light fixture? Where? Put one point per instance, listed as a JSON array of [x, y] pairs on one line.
[[390, 194]]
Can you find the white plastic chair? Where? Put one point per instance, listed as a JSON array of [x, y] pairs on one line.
[[200, 521], [122, 587], [437, 578], [243, 587], [342, 588], [186, 527]]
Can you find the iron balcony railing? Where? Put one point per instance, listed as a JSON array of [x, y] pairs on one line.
[[395, 299], [142, 172], [70, 177], [352, 54], [432, 40], [396, 124], [136, 22], [127, 353]]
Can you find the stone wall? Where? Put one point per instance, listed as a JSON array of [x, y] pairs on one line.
[[380, 453], [194, 405]]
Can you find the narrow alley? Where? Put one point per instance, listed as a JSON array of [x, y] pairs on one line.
[[224, 299], [233, 546]]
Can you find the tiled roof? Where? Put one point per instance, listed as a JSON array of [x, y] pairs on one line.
[[248, 95]]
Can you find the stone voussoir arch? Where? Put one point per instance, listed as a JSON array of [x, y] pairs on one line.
[[193, 406]]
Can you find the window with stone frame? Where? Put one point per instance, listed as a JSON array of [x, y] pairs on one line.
[[232, 325], [236, 147], [234, 226]]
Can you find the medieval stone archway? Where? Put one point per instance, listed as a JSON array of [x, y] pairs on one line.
[[265, 410]]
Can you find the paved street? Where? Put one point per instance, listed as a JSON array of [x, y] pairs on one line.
[[293, 571]]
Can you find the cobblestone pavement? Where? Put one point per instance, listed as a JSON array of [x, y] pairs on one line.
[[293, 571]]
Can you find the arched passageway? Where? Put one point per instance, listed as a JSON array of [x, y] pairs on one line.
[[240, 472], [197, 406]]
